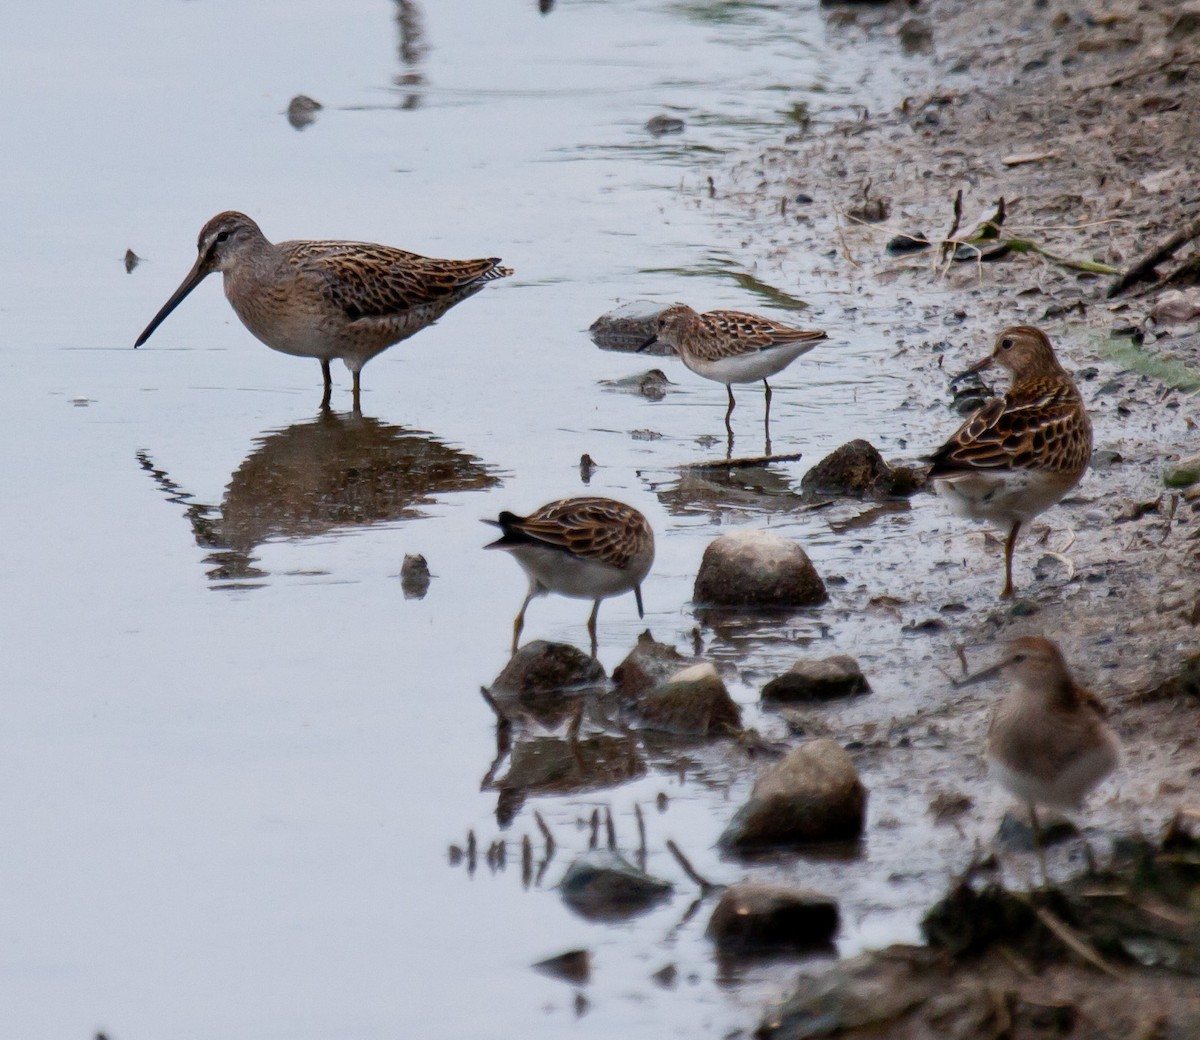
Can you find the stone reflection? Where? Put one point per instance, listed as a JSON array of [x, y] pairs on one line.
[[410, 23], [729, 491], [311, 478]]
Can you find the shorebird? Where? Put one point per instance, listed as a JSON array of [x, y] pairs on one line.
[[1048, 743], [731, 347], [586, 548], [326, 300], [1021, 453]]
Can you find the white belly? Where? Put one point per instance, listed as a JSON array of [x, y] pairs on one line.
[[551, 570], [1005, 496], [750, 367]]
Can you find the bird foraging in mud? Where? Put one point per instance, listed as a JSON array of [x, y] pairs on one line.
[[1048, 743], [586, 548], [731, 347], [326, 300], [1021, 453]]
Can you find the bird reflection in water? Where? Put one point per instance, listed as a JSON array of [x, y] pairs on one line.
[[334, 472]]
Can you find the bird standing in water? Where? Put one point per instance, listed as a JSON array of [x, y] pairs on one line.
[[326, 300]]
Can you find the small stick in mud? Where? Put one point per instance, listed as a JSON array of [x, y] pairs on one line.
[[526, 861], [594, 840], [948, 239], [610, 830], [641, 826], [1074, 942], [470, 852], [706, 887], [1143, 270]]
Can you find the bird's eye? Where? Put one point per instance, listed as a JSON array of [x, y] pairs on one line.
[[1018, 658], [1006, 343], [222, 236]]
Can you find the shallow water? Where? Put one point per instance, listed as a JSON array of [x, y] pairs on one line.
[[236, 754]]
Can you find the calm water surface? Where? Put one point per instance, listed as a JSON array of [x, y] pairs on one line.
[[234, 754]]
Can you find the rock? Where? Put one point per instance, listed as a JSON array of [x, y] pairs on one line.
[[1182, 473], [812, 795], [652, 383], [752, 917], [302, 111], [647, 665], [541, 668], [916, 35], [693, 702], [858, 470], [908, 243], [757, 569], [659, 125], [414, 576], [131, 261], [574, 966], [603, 885], [627, 327], [1189, 677], [1174, 306], [818, 680], [1187, 21]]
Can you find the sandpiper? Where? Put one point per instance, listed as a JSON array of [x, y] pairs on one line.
[[348, 300], [587, 548], [731, 347], [1021, 453], [1048, 743]]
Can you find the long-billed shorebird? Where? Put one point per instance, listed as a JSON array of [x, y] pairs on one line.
[[1048, 743], [731, 347], [1021, 453], [586, 548], [326, 300]]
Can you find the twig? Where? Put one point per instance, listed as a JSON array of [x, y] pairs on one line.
[[1144, 268], [949, 236], [1073, 942], [546, 835], [703, 884]]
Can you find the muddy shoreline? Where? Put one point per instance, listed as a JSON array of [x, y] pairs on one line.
[[1084, 123]]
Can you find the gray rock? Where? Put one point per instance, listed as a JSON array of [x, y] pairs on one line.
[[916, 35], [603, 885], [693, 701], [302, 111], [647, 665], [812, 795], [858, 470], [659, 125], [751, 917], [540, 668], [1187, 21], [1182, 473], [574, 966], [757, 569], [414, 576], [818, 680]]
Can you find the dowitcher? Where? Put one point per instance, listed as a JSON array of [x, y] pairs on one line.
[[586, 548], [731, 347], [1021, 453], [1048, 743], [326, 300]]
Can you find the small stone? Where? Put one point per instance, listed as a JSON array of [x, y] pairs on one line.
[[414, 576], [1182, 473], [302, 111], [603, 885], [915, 35], [131, 260], [693, 702], [908, 243], [750, 917], [811, 795], [541, 668], [647, 665], [659, 125], [574, 966], [818, 680], [800, 199], [858, 470], [1173, 307], [757, 569]]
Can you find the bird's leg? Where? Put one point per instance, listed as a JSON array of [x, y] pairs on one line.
[[1037, 844], [357, 392], [328, 377], [767, 413], [637, 594], [1009, 542], [592, 625], [519, 621]]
